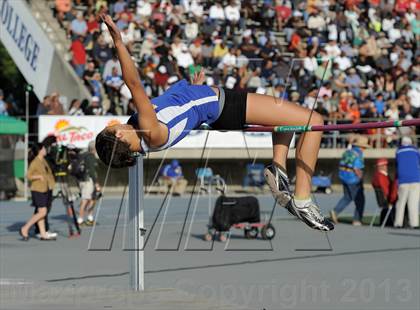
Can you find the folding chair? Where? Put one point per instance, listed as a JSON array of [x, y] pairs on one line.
[[382, 203], [208, 179]]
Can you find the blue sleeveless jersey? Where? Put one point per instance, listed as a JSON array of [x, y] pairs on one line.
[[182, 108]]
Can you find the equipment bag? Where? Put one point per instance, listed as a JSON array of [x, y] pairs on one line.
[[234, 210]]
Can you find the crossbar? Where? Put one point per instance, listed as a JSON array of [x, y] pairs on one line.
[[339, 127], [136, 225]]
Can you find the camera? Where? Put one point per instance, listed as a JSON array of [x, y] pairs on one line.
[[60, 158]]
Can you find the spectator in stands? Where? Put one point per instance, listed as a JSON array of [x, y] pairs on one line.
[[95, 107], [196, 50], [95, 83], [79, 56], [62, 7], [42, 184], [109, 65], [92, 30], [114, 83], [119, 7], [228, 61], [88, 185], [89, 72], [322, 110], [79, 28], [44, 106], [128, 37], [123, 20], [101, 52], [217, 13], [197, 9], [3, 105], [191, 30], [310, 98], [351, 176], [173, 178], [232, 14], [75, 108], [184, 61], [354, 47], [92, 25], [56, 107], [332, 49], [354, 82], [353, 113], [161, 79], [343, 61], [144, 9], [408, 172], [379, 104]]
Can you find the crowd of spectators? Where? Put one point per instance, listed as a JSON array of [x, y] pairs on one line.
[[353, 59]]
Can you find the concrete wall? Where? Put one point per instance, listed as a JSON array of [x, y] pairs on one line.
[[233, 171], [64, 80]]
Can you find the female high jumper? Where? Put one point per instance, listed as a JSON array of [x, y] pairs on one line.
[[163, 121]]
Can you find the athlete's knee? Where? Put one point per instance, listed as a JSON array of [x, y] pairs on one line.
[[317, 119]]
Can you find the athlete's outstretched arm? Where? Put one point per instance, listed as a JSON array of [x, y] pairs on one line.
[[152, 131]]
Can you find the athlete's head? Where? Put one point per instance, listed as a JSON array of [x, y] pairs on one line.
[[116, 145]]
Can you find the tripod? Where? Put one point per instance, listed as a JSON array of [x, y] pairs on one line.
[[66, 195]]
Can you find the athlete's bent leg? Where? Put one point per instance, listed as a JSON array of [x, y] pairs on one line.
[[270, 111]]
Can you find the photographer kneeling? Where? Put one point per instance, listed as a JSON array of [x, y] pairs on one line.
[[42, 183]]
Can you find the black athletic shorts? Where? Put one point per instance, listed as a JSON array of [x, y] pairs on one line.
[[233, 116], [41, 200]]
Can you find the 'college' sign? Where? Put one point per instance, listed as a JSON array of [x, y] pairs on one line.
[[26, 43]]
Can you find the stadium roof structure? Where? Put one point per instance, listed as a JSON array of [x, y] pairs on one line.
[[12, 126]]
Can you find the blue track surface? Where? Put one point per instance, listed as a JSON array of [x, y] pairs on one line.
[[351, 268]]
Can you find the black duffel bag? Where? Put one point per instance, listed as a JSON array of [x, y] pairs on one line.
[[234, 210]]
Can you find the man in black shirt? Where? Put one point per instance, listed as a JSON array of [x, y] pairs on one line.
[[101, 52], [89, 186]]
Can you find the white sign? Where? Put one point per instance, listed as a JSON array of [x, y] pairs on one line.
[[26, 43], [228, 140], [75, 130], [79, 130]]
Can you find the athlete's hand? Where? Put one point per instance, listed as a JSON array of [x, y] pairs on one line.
[[113, 29], [198, 78]]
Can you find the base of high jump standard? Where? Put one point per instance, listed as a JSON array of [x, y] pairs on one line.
[[136, 231]]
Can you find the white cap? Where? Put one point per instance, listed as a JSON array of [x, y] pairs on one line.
[[95, 99], [162, 69], [406, 141], [247, 33], [172, 79], [230, 82], [209, 81]]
